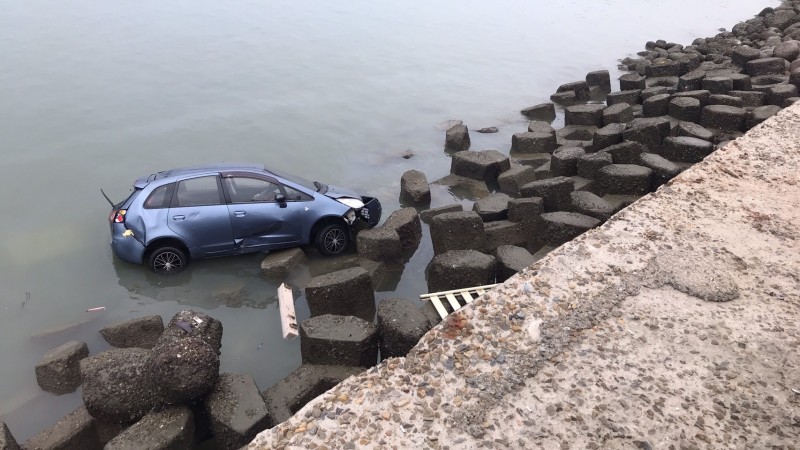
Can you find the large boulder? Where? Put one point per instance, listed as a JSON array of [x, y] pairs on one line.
[[115, 387], [192, 323], [414, 188], [236, 411], [346, 292], [400, 326], [182, 370], [342, 340], [457, 138], [170, 429], [458, 269], [485, 165], [59, 370], [457, 231], [140, 332]]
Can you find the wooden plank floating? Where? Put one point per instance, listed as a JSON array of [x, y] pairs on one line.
[[456, 299], [286, 308]]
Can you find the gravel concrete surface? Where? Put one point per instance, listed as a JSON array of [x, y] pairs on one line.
[[672, 326]]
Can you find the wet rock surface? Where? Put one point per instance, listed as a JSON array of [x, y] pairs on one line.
[[280, 263], [344, 292], [140, 332], [401, 325], [59, 370], [7, 441], [338, 340], [192, 323], [170, 429], [76, 430], [114, 387], [182, 370], [236, 411]]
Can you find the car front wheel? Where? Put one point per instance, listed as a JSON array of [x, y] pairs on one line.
[[332, 239], [167, 260]]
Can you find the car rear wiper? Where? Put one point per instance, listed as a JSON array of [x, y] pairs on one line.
[[108, 199], [318, 185]]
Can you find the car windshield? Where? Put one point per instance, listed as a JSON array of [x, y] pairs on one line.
[[316, 186]]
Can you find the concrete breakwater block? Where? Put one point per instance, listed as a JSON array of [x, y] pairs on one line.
[[591, 205], [617, 113], [400, 326], [610, 134], [600, 79], [691, 81], [170, 429], [236, 411], [344, 292], [584, 115], [533, 142], [562, 226], [631, 97], [457, 231], [406, 223], [579, 88], [59, 370], [457, 138], [760, 114], [192, 323], [526, 209], [340, 340], [485, 165], [458, 269], [685, 108], [765, 66], [626, 152], [505, 232], [554, 192], [693, 130], [141, 332], [491, 208], [627, 179], [510, 260], [538, 126], [280, 263], [542, 111], [741, 54], [379, 244], [657, 105], [700, 95], [76, 430], [7, 441], [589, 164], [513, 179], [663, 169], [777, 95], [564, 161], [414, 188], [305, 383], [182, 370], [428, 215], [649, 131], [655, 90], [662, 67], [114, 386], [686, 149], [631, 81]]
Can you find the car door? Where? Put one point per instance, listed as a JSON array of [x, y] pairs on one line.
[[200, 216], [258, 220]]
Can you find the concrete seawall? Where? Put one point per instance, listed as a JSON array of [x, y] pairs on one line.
[[673, 325]]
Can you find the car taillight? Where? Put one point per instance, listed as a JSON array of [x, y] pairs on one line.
[[117, 216]]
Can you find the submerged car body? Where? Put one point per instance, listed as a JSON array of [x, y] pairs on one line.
[[226, 209]]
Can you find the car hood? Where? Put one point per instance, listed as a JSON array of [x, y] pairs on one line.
[[337, 192]]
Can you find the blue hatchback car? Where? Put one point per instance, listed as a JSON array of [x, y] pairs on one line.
[[181, 214]]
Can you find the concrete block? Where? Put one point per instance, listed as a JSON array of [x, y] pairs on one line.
[[580, 88], [493, 207], [510, 260], [542, 111], [170, 429], [589, 164], [506, 232], [657, 105], [280, 263], [483, 165], [7, 441], [600, 79], [630, 97], [428, 215], [457, 138], [554, 192], [765, 66], [305, 383], [525, 209], [761, 114], [718, 85], [663, 169], [565, 161], [741, 82], [693, 130], [591, 205], [457, 231], [617, 113], [59, 370], [561, 226], [76, 430], [627, 179], [200, 324], [458, 269], [691, 81], [609, 135], [741, 54], [339, 340], [414, 188], [729, 118], [648, 134], [565, 98], [700, 95], [513, 179], [236, 410], [655, 90], [584, 115], [407, 224], [182, 370], [115, 387], [751, 99], [668, 82], [400, 326], [631, 81], [626, 152], [538, 126], [685, 109], [533, 142], [346, 292], [777, 95], [728, 100], [663, 67]]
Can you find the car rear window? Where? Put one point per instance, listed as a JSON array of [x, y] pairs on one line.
[[160, 197]]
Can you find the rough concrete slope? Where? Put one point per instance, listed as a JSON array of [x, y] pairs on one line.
[[673, 326]]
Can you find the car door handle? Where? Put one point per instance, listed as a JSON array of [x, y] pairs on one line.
[[178, 217], [239, 213]]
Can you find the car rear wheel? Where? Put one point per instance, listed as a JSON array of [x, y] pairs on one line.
[[167, 260], [332, 239]]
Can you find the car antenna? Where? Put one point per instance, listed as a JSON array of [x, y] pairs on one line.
[[109, 200]]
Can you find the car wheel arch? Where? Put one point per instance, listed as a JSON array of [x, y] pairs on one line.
[[324, 221], [165, 242]]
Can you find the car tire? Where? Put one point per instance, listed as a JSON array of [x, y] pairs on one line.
[[167, 260], [333, 239]]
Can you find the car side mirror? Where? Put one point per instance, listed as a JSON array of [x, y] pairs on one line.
[[281, 199]]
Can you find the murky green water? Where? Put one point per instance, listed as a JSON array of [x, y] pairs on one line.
[[93, 94]]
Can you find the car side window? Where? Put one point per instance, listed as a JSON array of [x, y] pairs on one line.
[[160, 197], [249, 190], [200, 191], [294, 195]]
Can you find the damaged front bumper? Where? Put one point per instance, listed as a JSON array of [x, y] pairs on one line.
[[371, 211]]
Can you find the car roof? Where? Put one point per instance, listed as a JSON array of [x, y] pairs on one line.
[[196, 170]]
